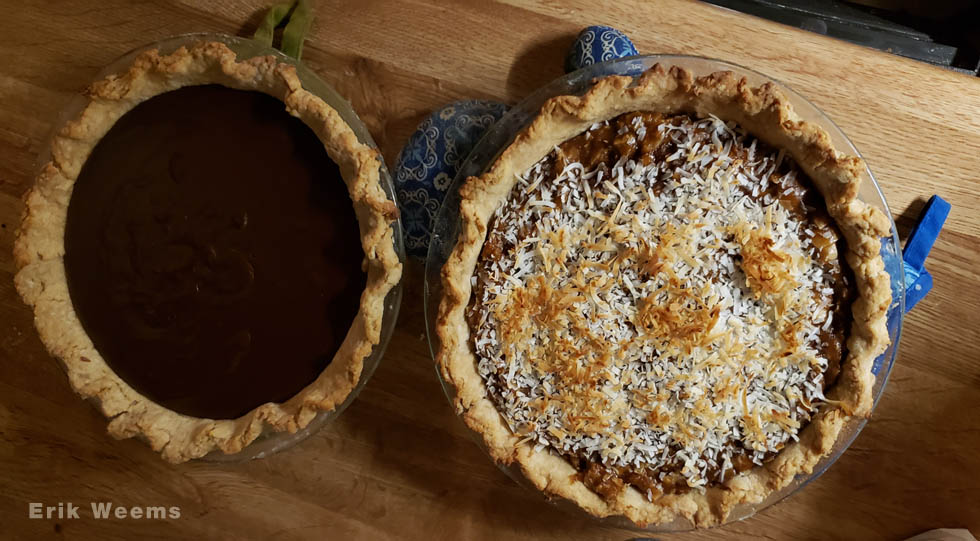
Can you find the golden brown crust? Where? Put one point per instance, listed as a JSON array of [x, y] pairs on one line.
[[39, 249], [764, 112]]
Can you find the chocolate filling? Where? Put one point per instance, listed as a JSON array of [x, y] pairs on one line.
[[212, 252]]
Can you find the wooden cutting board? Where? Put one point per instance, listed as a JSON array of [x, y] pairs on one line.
[[398, 464]]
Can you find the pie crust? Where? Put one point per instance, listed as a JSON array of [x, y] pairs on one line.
[[765, 113], [39, 250]]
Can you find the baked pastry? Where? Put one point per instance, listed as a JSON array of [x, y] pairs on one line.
[[208, 251], [666, 298]]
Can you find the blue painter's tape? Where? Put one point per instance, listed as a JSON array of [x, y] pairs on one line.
[[918, 281], [911, 275], [917, 291], [925, 232]]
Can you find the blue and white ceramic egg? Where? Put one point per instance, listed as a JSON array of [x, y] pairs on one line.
[[429, 161], [434, 153], [598, 44]]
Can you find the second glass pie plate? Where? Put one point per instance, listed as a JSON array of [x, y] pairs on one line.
[[446, 228], [269, 442]]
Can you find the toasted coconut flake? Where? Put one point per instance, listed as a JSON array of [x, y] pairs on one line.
[[666, 313]]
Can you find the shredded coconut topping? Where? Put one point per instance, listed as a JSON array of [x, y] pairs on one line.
[[663, 314]]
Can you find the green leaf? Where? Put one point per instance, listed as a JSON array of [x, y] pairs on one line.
[[294, 34], [276, 15]]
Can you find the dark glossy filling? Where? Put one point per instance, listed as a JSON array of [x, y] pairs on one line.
[[212, 252]]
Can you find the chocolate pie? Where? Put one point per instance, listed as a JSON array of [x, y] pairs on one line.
[[666, 297], [208, 251]]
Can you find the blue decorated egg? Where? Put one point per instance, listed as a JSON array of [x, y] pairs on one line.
[[598, 44], [428, 163], [430, 160]]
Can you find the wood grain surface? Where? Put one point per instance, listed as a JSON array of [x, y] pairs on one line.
[[398, 464]]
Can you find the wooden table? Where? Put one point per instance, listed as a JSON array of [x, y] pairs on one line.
[[398, 464]]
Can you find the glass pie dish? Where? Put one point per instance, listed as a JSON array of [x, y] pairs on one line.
[[270, 441], [447, 225]]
